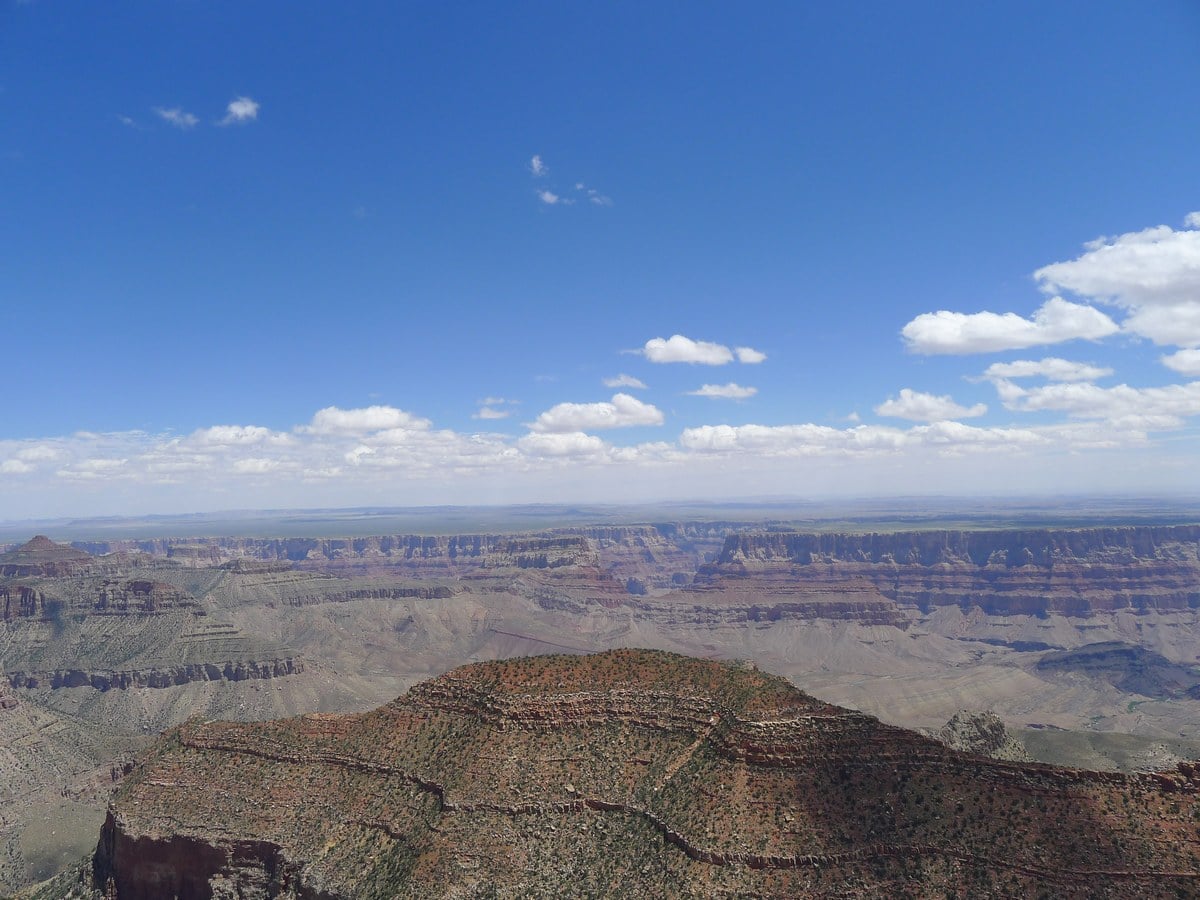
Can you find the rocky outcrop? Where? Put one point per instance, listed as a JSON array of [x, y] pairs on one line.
[[1069, 572], [25, 601], [982, 733], [157, 677], [632, 773]]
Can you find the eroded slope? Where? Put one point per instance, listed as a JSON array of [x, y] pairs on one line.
[[631, 772]]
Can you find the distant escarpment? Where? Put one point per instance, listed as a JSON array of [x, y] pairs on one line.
[[1031, 572], [660, 555], [630, 773], [443, 554], [157, 677]]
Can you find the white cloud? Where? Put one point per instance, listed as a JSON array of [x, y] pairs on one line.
[[622, 412], [177, 117], [537, 167], [223, 435], [1057, 320], [488, 412], [1051, 368], [731, 391], [749, 355], [1185, 362], [254, 466], [569, 444], [624, 381], [1153, 274], [40, 453], [854, 442], [680, 349], [1151, 409], [15, 467], [919, 407], [549, 197], [332, 421], [593, 196], [240, 111]]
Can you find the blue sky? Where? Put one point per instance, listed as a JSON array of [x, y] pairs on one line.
[[305, 254]]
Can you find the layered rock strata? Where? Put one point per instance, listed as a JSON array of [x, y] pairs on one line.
[[630, 772], [157, 677], [1070, 572]]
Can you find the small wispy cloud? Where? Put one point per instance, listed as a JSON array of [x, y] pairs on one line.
[[240, 111], [731, 391], [177, 117], [489, 412], [592, 195], [749, 355], [493, 408], [624, 381], [127, 121], [557, 196]]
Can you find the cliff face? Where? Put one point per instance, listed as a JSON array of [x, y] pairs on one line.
[[158, 677], [1072, 572], [631, 773]]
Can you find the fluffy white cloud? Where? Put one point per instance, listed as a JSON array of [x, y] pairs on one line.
[[1186, 362], [549, 197], [624, 381], [177, 117], [1150, 409], [537, 167], [15, 467], [749, 355], [240, 111], [1154, 274], [568, 444], [1055, 321], [732, 391], [680, 349], [623, 411], [332, 421], [1051, 368], [919, 407]]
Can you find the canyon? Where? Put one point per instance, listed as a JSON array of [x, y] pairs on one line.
[[1083, 642]]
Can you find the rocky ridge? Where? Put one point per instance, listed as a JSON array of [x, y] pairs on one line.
[[630, 771]]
